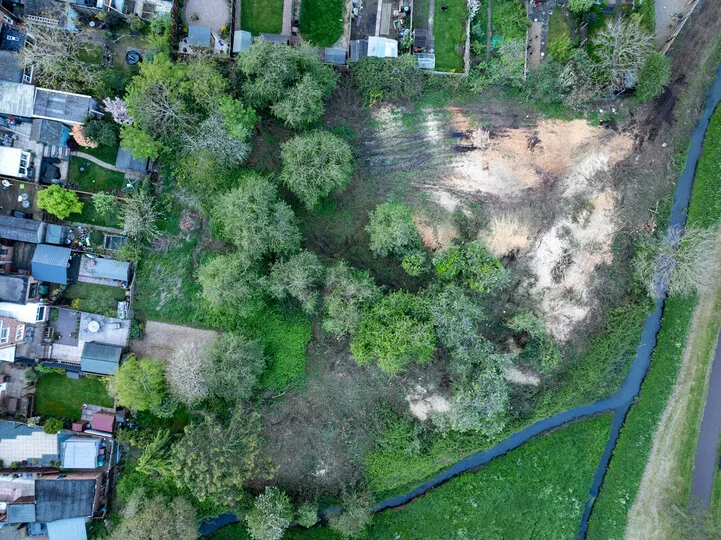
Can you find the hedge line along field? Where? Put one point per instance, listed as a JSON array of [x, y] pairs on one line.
[[627, 465], [536, 491]]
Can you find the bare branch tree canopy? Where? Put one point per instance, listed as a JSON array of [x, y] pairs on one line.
[[621, 48], [184, 375], [56, 55], [679, 263], [140, 216]]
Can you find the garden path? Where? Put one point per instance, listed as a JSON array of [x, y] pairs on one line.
[[128, 173], [287, 17]]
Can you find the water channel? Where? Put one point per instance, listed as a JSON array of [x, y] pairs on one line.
[[619, 403]]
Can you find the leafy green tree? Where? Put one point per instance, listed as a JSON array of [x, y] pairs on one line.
[[298, 277], [140, 143], [542, 347], [392, 230], [104, 203], [654, 76], [479, 405], [233, 367], [456, 315], [290, 81], [388, 79], [561, 49], [270, 516], [59, 202], [101, 132], [355, 516], [471, 264], [139, 384], [155, 458], [395, 331], [253, 217], [415, 263], [348, 293], [307, 514], [155, 516], [52, 426], [544, 84], [231, 284], [214, 460], [316, 165], [507, 68], [580, 6]]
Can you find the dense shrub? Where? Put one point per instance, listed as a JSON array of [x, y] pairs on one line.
[[388, 79]]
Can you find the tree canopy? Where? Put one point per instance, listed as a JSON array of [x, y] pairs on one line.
[[392, 230], [471, 264], [270, 516], [391, 79], [253, 217], [213, 460], [154, 515], [290, 81], [298, 277], [395, 331], [316, 165], [348, 293], [139, 384], [233, 367], [59, 201], [231, 284]]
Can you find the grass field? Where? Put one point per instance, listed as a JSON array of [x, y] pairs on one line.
[[449, 29], [91, 217], [557, 26], [322, 21], [58, 396], [261, 16], [107, 154], [99, 299], [94, 178]]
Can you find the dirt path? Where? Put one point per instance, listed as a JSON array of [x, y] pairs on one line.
[[162, 340], [106, 165], [665, 475]]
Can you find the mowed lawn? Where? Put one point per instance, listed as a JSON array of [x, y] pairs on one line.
[[536, 491], [322, 21], [261, 16], [449, 29], [58, 396], [93, 178]]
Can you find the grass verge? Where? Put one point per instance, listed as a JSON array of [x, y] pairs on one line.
[[106, 154], [449, 29], [93, 178], [536, 491], [557, 26], [322, 21], [90, 217], [261, 16], [59, 396], [620, 486]]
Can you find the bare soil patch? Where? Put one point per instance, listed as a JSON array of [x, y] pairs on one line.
[[162, 340]]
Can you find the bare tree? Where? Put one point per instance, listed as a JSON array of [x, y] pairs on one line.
[[679, 263], [140, 216], [56, 55], [184, 375], [621, 47]]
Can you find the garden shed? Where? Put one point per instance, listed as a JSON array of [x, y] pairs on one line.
[[242, 41], [79, 453], [100, 358], [50, 263], [335, 56], [199, 36]]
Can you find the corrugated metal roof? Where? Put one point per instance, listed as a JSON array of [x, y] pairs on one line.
[[17, 99], [242, 41], [358, 50], [50, 263], [381, 47], [62, 106], [23, 230], [21, 513], [67, 529], [56, 234], [79, 453], [100, 358]]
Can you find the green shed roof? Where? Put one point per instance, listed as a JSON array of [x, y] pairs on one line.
[[100, 358]]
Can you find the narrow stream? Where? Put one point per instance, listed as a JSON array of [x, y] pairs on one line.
[[619, 403]]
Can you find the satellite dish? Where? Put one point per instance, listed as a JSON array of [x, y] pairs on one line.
[[93, 326]]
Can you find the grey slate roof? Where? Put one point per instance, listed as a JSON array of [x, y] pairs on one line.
[[61, 106], [13, 288], [199, 36], [17, 99], [50, 263], [23, 230], [49, 132], [62, 499], [10, 70], [100, 358], [21, 513]]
